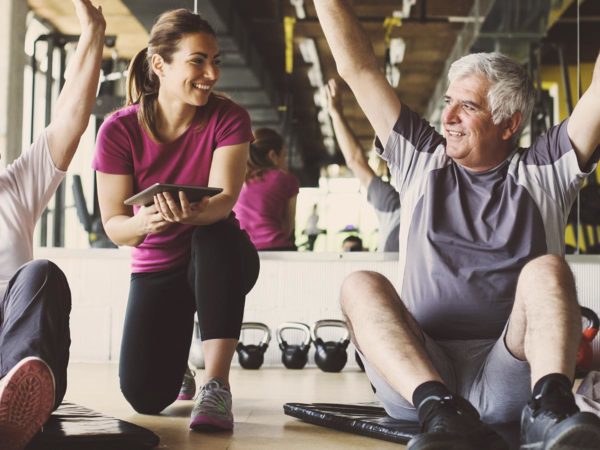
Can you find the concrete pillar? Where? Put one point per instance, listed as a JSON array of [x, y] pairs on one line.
[[13, 14]]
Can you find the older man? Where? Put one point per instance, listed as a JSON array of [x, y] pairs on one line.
[[486, 325], [34, 295]]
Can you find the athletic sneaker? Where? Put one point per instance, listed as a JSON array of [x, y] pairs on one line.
[[554, 422], [212, 411], [188, 386], [452, 423], [26, 402]]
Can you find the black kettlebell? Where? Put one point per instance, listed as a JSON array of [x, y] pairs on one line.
[[330, 356], [294, 356], [252, 356]]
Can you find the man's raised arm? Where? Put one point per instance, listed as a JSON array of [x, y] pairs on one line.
[[584, 123], [348, 142], [358, 66], [74, 105]]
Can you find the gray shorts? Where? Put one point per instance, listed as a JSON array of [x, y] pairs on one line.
[[482, 371]]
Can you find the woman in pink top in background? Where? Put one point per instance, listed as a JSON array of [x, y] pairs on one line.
[[185, 257], [266, 207]]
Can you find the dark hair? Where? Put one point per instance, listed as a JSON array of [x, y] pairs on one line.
[[142, 83], [357, 243], [265, 140]]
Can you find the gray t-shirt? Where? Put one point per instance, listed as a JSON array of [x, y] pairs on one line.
[[386, 201], [465, 236]]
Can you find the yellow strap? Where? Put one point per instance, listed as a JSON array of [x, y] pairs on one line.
[[388, 24], [288, 25]]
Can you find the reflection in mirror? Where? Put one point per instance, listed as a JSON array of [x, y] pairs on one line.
[[556, 38]]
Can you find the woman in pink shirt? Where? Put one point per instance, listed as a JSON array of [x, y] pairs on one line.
[[186, 257], [266, 207]]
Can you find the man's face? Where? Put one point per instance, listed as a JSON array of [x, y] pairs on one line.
[[472, 138]]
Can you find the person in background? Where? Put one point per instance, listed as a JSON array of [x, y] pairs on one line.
[[352, 243], [312, 230], [186, 257], [35, 300], [485, 325], [380, 194], [266, 207]]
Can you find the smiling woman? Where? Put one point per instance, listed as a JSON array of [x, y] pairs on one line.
[[187, 255]]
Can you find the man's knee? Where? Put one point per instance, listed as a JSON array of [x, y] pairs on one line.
[[360, 286], [549, 272], [43, 275]]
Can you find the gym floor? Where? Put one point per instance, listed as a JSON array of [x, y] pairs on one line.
[[258, 398]]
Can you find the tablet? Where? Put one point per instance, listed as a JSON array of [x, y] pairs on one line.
[[193, 193]]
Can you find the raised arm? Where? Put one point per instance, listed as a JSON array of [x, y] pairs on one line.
[[358, 66], [584, 124], [71, 114], [349, 145]]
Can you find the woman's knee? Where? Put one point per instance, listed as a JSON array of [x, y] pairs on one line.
[[213, 234], [145, 401]]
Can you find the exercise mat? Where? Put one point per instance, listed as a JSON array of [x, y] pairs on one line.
[[372, 421], [73, 427], [363, 419]]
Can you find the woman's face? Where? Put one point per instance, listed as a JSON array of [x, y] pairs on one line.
[[192, 72]]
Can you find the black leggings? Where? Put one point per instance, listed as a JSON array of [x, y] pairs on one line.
[[160, 313]]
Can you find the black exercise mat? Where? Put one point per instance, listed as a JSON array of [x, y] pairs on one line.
[[362, 419], [73, 427], [372, 421]]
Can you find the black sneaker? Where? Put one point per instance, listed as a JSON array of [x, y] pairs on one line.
[[557, 424], [452, 423]]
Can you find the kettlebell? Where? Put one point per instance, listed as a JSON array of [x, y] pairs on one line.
[[294, 356], [330, 356], [252, 356], [584, 354]]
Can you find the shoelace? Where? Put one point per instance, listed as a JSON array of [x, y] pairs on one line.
[[189, 374], [212, 397]]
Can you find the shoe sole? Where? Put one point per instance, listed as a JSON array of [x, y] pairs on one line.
[[26, 402], [579, 432], [438, 441], [210, 424], [185, 397], [453, 441]]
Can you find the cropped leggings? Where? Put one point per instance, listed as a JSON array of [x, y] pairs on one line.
[[159, 320]]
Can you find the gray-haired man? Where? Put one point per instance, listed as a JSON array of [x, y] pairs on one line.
[[487, 310]]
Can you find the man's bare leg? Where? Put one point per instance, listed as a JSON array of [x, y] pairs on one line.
[[385, 332], [545, 330], [545, 323], [393, 343]]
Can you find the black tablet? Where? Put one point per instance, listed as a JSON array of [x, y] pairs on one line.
[[193, 193]]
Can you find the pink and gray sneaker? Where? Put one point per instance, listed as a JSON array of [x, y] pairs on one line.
[[26, 402], [212, 411], [188, 386]]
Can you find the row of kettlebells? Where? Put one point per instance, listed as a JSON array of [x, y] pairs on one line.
[[330, 356]]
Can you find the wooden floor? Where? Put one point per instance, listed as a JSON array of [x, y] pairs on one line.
[[258, 398]]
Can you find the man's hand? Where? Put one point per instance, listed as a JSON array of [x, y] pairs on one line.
[[334, 97]]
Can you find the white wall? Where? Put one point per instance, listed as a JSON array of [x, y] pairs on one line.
[[292, 287]]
